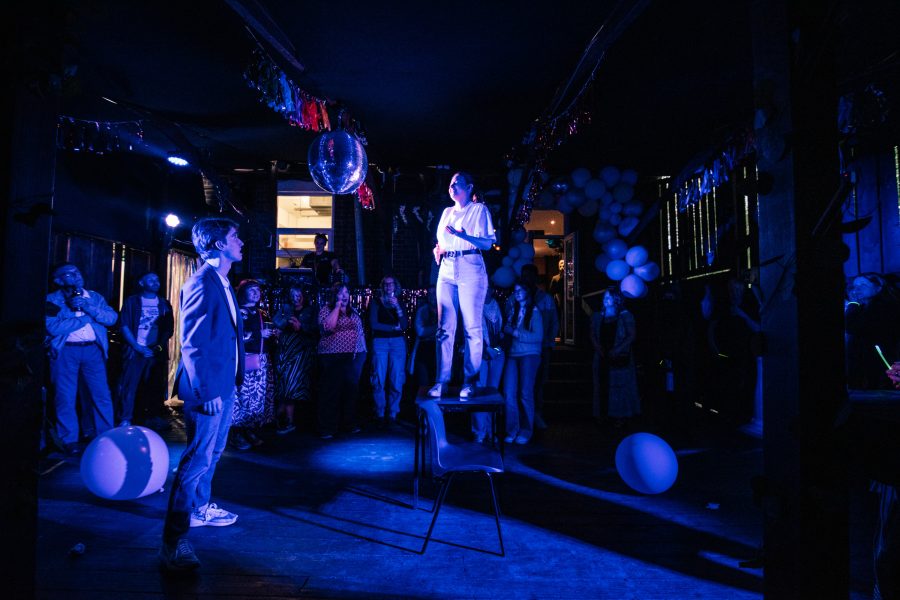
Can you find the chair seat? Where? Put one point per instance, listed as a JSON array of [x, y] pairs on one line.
[[468, 456]]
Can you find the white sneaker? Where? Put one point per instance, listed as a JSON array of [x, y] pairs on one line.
[[212, 516], [466, 391], [436, 390]]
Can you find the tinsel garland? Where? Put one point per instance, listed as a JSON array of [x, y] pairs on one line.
[[299, 107], [545, 136], [695, 183], [97, 137]]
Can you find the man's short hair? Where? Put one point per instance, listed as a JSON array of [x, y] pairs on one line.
[[209, 230], [321, 236]]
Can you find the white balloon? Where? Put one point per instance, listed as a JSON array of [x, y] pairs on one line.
[[633, 286], [603, 214], [607, 198], [615, 208], [504, 277], [594, 189], [629, 176], [615, 219], [633, 209], [526, 250], [580, 177], [610, 175], [617, 270], [603, 233], [648, 271], [627, 226], [616, 248], [515, 252], [576, 197], [517, 266], [636, 256], [623, 192]]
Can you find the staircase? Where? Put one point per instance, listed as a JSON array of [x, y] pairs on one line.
[[568, 392]]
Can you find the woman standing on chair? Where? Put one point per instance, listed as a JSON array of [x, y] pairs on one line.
[[464, 231]]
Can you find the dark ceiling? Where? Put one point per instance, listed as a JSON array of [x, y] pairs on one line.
[[454, 83]]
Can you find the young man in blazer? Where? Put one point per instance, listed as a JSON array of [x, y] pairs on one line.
[[212, 365]]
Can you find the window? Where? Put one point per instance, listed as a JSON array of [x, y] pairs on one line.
[[303, 211]]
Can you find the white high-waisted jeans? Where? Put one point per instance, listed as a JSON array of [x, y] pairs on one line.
[[461, 285]]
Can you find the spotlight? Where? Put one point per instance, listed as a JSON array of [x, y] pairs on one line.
[[177, 160], [172, 220]]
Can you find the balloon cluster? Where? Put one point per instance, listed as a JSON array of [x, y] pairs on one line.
[[521, 252], [618, 215], [608, 195]]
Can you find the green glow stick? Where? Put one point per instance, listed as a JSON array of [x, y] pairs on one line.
[[883, 359]]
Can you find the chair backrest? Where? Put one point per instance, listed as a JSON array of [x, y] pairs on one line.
[[437, 434]]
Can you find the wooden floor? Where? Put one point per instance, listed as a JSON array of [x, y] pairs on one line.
[[332, 519]]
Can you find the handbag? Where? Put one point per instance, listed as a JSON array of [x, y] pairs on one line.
[[252, 362]]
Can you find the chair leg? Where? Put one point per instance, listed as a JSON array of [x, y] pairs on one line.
[[438, 502], [496, 513]]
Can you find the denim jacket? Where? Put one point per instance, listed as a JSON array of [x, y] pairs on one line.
[[60, 320]]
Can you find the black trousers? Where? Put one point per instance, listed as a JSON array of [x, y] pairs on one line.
[[338, 390], [142, 388]]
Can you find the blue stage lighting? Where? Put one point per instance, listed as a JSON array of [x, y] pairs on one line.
[[177, 161], [172, 220]]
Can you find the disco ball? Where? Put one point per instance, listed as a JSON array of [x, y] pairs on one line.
[[338, 162]]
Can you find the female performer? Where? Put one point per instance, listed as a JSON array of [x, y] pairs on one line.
[[464, 231]]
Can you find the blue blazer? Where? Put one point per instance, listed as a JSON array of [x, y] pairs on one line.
[[209, 341]]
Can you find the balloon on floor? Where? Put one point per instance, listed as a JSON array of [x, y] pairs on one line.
[[125, 463], [646, 463]]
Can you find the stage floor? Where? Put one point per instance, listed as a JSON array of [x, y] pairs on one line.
[[333, 519]]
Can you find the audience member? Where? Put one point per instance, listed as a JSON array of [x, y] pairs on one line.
[[557, 284], [492, 365], [319, 260], [76, 320], [388, 322], [342, 353], [422, 358], [872, 317], [612, 334], [296, 357], [550, 318], [146, 323], [254, 405], [524, 326]]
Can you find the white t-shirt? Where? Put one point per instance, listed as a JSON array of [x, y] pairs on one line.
[[475, 218], [86, 332], [233, 309], [146, 332]]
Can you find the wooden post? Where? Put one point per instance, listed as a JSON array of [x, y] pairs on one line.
[[805, 490], [33, 35]]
